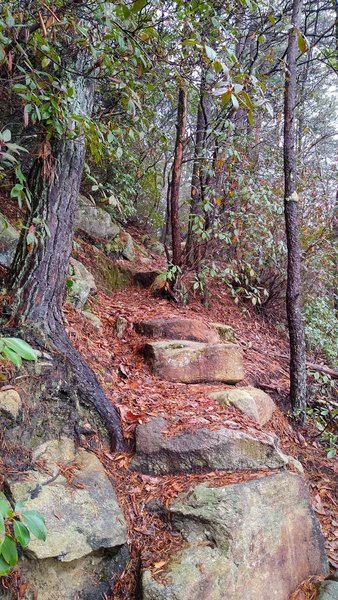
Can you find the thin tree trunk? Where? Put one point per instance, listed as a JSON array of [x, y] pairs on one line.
[[37, 278], [202, 122], [294, 314], [176, 174]]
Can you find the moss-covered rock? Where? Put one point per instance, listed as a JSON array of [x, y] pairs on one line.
[[80, 283], [111, 276], [121, 247]]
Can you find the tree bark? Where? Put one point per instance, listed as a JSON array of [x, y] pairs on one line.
[[176, 174], [294, 314], [202, 122], [37, 278]]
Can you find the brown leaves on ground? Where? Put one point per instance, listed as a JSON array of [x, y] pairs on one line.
[[139, 396]]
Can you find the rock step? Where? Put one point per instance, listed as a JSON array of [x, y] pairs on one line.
[[202, 450], [249, 541], [195, 362], [251, 401], [185, 329]]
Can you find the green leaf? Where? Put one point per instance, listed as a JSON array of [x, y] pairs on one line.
[[302, 43], [5, 507], [35, 523], [4, 567], [2, 525], [9, 551], [45, 62], [210, 52], [22, 348], [331, 453], [6, 135], [251, 118], [235, 102], [138, 5], [12, 356], [21, 533], [119, 152]]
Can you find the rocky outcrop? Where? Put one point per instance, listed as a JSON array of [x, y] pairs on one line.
[[195, 362], [249, 400], [254, 541], [9, 238], [95, 222], [202, 450], [84, 522], [80, 285]]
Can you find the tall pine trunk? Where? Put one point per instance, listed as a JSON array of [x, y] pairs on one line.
[[37, 279], [293, 297], [177, 173]]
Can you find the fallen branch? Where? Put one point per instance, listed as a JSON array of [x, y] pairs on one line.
[[333, 373]]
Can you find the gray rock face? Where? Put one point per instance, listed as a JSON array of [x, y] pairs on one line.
[[79, 520], [254, 541], [88, 578], [95, 222], [195, 362], [10, 405], [202, 450], [83, 284], [249, 400], [328, 590], [9, 238]]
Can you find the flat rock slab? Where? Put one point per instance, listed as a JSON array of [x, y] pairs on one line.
[[251, 541], [195, 362], [202, 450], [79, 520], [184, 329], [249, 400], [178, 329]]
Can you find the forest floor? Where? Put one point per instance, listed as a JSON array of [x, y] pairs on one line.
[[139, 395]]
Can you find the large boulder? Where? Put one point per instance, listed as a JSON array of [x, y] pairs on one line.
[[249, 400], [95, 222], [80, 518], [179, 329], [202, 450], [80, 284], [9, 238], [195, 362], [86, 528], [254, 541]]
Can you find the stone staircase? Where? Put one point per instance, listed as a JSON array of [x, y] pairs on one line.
[[248, 541]]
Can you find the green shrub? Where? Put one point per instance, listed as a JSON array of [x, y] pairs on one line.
[[321, 328]]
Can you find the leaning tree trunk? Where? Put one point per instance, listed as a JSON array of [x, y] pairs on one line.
[[294, 314], [37, 278], [176, 174]]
